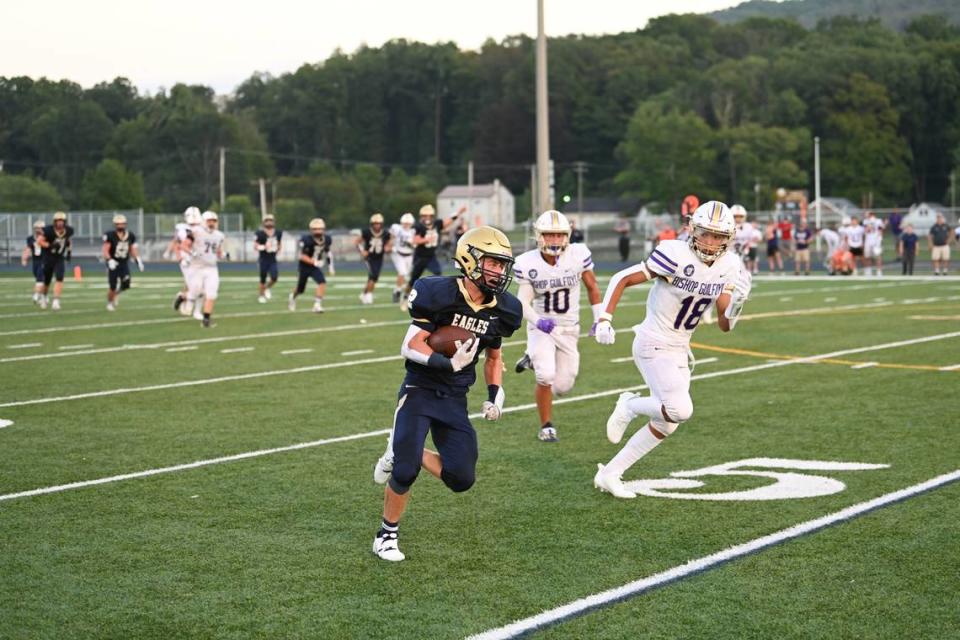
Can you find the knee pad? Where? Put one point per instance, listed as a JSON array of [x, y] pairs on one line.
[[679, 408], [563, 384], [458, 480], [403, 476]]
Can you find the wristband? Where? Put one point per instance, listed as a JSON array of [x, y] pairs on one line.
[[439, 361], [597, 309], [605, 316]]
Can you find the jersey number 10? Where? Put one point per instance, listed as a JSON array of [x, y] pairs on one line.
[[696, 312], [559, 301]]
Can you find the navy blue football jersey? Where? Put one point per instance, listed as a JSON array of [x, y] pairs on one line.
[[59, 244], [120, 247], [36, 250], [373, 243], [270, 244], [429, 248], [441, 301], [312, 248]]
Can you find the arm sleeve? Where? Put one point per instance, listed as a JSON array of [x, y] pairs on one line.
[[525, 296]]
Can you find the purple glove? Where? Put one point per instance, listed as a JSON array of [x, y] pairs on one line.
[[593, 330], [546, 325]]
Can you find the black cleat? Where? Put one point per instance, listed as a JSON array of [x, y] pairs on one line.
[[177, 302], [396, 297], [523, 363], [205, 323]]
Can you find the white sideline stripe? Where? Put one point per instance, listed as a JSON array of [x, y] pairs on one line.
[[248, 336], [173, 349], [864, 365], [359, 352], [290, 352], [638, 587], [70, 347], [356, 436], [26, 345], [630, 359], [237, 350], [952, 367], [349, 363]]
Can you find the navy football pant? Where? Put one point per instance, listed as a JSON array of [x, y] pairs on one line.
[[420, 265], [119, 278], [52, 268], [268, 268], [422, 411], [374, 266], [305, 274]]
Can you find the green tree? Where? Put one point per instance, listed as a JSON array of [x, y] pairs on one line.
[[294, 213], [239, 203], [111, 186], [23, 193]]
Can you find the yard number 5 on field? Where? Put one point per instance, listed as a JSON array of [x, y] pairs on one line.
[[787, 485]]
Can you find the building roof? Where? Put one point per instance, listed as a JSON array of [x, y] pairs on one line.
[[465, 191], [603, 205]]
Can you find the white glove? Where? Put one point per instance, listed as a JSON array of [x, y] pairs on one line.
[[185, 260], [112, 264], [743, 283], [493, 410], [332, 271], [465, 354], [140, 264], [604, 332]]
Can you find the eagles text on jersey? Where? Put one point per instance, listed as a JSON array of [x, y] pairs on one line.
[[442, 301]]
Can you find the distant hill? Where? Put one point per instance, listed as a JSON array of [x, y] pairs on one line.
[[895, 14]]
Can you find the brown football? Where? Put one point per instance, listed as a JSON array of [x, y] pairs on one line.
[[444, 340]]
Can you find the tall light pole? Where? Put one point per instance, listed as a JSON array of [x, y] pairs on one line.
[[816, 185], [544, 191]]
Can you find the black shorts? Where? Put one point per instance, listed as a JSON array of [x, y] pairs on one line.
[[37, 268], [422, 411], [268, 268], [752, 253], [53, 268], [424, 263], [374, 265], [305, 274], [772, 249], [857, 251], [119, 278]]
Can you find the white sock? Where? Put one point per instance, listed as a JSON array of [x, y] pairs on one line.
[[639, 445], [649, 406]]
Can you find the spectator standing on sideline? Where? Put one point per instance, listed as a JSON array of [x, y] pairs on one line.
[[895, 222], [772, 236], [576, 235], [907, 249], [785, 227], [802, 255], [622, 227], [939, 242]]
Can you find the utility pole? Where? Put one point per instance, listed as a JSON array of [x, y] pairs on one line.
[[580, 168], [756, 194], [223, 175], [543, 119], [263, 198], [953, 188], [816, 185]]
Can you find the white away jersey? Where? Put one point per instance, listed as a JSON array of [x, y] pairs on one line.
[[206, 245], [873, 229], [853, 235], [831, 237], [684, 290], [402, 239], [556, 287], [743, 238]]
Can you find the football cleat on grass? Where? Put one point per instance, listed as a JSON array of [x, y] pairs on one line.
[[267, 294], [291, 303], [206, 323], [396, 297], [262, 299], [386, 547], [609, 483], [43, 302], [111, 306], [620, 419], [56, 304], [523, 363], [318, 307], [178, 301], [548, 434]]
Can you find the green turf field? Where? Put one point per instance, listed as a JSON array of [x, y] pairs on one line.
[[277, 544]]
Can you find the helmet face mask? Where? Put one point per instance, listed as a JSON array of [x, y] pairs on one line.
[[486, 259], [555, 225], [712, 230], [406, 220]]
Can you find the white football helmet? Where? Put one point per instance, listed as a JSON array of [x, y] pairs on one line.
[[712, 217], [406, 220], [192, 216], [552, 222], [739, 213]]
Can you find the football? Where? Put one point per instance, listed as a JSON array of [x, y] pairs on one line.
[[444, 340]]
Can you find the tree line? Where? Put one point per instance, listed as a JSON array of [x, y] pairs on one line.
[[683, 105]]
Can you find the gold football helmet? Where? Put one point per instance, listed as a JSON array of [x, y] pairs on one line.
[[475, 248]]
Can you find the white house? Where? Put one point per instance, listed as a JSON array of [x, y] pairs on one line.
[[491, 204]]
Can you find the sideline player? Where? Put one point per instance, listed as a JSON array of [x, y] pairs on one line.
[[372, 243], [314, 252], [56, 239], [33, 251], [744, 240], [549, 278], [181, 231], [119, 246], [688, 279], [268, 241], [433, 397], [206, 246], [872, 244], [401, 238], [852, 235]]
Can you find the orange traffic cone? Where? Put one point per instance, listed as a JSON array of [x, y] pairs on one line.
[[77, 273]]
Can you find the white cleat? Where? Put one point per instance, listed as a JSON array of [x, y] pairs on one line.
[[548, 434], [197, 313], [608, 483], [43, 302], [383, 468], [56, 304], [386, 547], [36, 298], [262, 299], [620, 419], [267, 294], [291, 303], [111, 306], [317, 307]]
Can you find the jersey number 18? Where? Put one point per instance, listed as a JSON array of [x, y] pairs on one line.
[[695, 310]]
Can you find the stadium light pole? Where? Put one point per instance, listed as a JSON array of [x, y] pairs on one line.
[[543, 118], [816, 185], [223, 173]]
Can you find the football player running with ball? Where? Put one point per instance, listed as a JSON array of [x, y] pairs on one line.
[[689, 277], [549, 278], [433, 396]]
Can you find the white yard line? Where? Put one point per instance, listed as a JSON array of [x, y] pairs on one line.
[[705, 563], [368, 434], [864, 365], [26, 345], [75, 347], [290, 352], [359, 352], [237, 350], [952, 367], [175, 349]]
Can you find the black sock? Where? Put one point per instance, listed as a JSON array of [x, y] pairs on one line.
[[387, 527], [547, 425]]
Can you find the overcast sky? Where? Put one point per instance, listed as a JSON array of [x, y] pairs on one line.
[[219, 43]]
